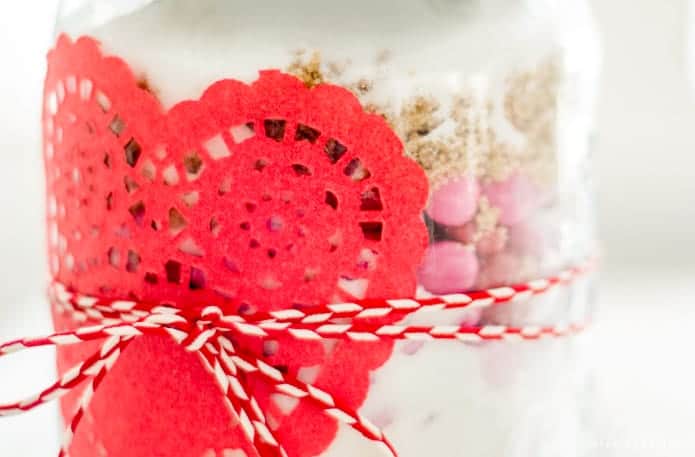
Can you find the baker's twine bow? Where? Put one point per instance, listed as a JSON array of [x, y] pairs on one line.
[[208, 332]]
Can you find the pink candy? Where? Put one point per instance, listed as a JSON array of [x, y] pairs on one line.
[[455, 266], [455, 202], [515, 197], [448, 267]]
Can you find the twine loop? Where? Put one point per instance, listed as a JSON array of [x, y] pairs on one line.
[[210, 333]]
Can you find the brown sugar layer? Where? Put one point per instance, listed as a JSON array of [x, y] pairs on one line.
[[468, 134]]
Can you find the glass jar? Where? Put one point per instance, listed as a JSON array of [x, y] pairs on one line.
[[465, 127]]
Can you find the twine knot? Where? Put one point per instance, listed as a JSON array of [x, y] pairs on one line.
[[209, 332]]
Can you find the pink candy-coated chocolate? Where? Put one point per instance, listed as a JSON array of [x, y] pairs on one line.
[[515, 197], [448, 267], [455, 202]]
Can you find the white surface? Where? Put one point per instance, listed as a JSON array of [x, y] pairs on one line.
[[21, 375], [24, 35], [643, 353]]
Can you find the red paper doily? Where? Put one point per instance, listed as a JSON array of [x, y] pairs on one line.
[[255, 197]]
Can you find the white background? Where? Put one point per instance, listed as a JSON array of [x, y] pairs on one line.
[[646, 167]]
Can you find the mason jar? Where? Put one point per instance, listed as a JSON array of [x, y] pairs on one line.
[[264, 156]]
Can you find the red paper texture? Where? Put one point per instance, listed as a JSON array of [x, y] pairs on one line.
[[253, 198]]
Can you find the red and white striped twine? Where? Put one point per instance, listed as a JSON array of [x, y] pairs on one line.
[[207, 332]]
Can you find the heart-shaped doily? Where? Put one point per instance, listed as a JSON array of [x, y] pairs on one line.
[[255, 197]]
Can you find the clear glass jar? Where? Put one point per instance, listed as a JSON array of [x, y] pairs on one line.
[[491, 99]]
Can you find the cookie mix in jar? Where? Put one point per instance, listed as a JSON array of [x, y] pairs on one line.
[[306, 229]]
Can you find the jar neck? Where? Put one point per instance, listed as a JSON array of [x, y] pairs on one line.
[[96, 12], [80, 16], [100, 10]]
